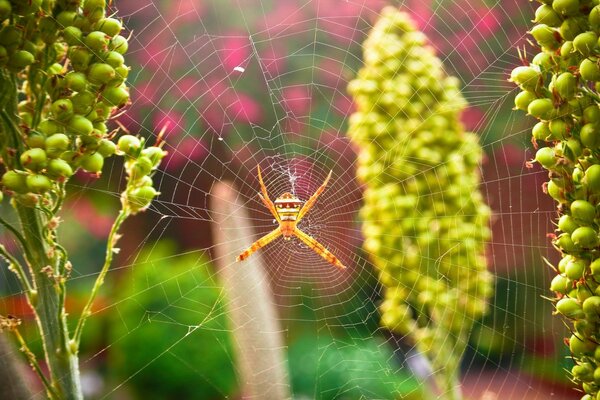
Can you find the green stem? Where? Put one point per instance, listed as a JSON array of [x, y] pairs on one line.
[[110, 250], [50, 391], [50, 312], [17, 268]]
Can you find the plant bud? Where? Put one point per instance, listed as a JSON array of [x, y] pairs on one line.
[[38, 183], [92, 162], [129, 145], [34, 159], [110, 26], [59, 169], [56, 145], [14, 181], [583, 211], [141, 198], [100, 73]]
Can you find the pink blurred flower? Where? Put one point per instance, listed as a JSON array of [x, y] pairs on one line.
[[234, 51], [472, 117], [488, 22], [245, 109], [286, 17], [190, 87], [174, 120], [273, 60], [188, 149], [421, 11], [89, 216], [185, 10], [144, 94], [343, 105], [297, 100]]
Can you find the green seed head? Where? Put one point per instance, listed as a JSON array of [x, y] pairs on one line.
[[580, 347], [583, 211], [591, 114], [545, 14], [14, 181], [585, 42], [141, 167], [541, 131], [590, 135], [73, 36], [566, 85], [140, 198], [114, 59], [576, 267], [560, 284], [119, 44], [545, 156], [570, 308], [566, 223], [591, 305], [527, 78], [97, 41], [59, 169], [523, 99], [80, 58], [34, 159], [110, 26], [106, 148], [129, 145], [589, 70], [585, 237], [116, 96], [545, 36], [541, 108], [62, 109], [80, 125], [92, 162], [20, 59], [155, 154], [566, 7], [100, 73], [76, 81], [592, 178], [57, 144], [38, 183]]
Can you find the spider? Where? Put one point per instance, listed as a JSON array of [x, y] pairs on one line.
[[288, 211]]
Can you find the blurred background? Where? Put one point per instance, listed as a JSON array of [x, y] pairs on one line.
[[243, 82]]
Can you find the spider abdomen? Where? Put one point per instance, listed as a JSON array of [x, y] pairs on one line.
[[288, 207]]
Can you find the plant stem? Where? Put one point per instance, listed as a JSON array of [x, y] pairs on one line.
[[50, 391], [110, 250], [49, 308]]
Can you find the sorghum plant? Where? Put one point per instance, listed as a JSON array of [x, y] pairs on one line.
[[559, 87], [62, 78], [425, 222]]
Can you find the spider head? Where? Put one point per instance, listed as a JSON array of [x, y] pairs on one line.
[[288, 206]]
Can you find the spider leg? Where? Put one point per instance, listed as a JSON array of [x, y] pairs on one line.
[[265, 196], [262, 242], [313, 199], [319, 249]]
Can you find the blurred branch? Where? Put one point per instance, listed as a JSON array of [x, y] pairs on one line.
[[11, 369], [262, 368]]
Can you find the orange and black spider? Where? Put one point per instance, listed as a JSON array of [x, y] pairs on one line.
[[288, 211]]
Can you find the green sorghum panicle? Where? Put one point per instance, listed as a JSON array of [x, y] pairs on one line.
[[65, 59], [425, 222], [559, 87]]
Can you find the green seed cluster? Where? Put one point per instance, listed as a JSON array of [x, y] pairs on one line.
[[65, 58], [560, 88], [140, 163], [425, 222]]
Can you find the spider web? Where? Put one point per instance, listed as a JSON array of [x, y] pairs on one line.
[[257, 82]]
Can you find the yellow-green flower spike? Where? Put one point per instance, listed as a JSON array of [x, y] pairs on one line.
[[565, 100], [425, 222]]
